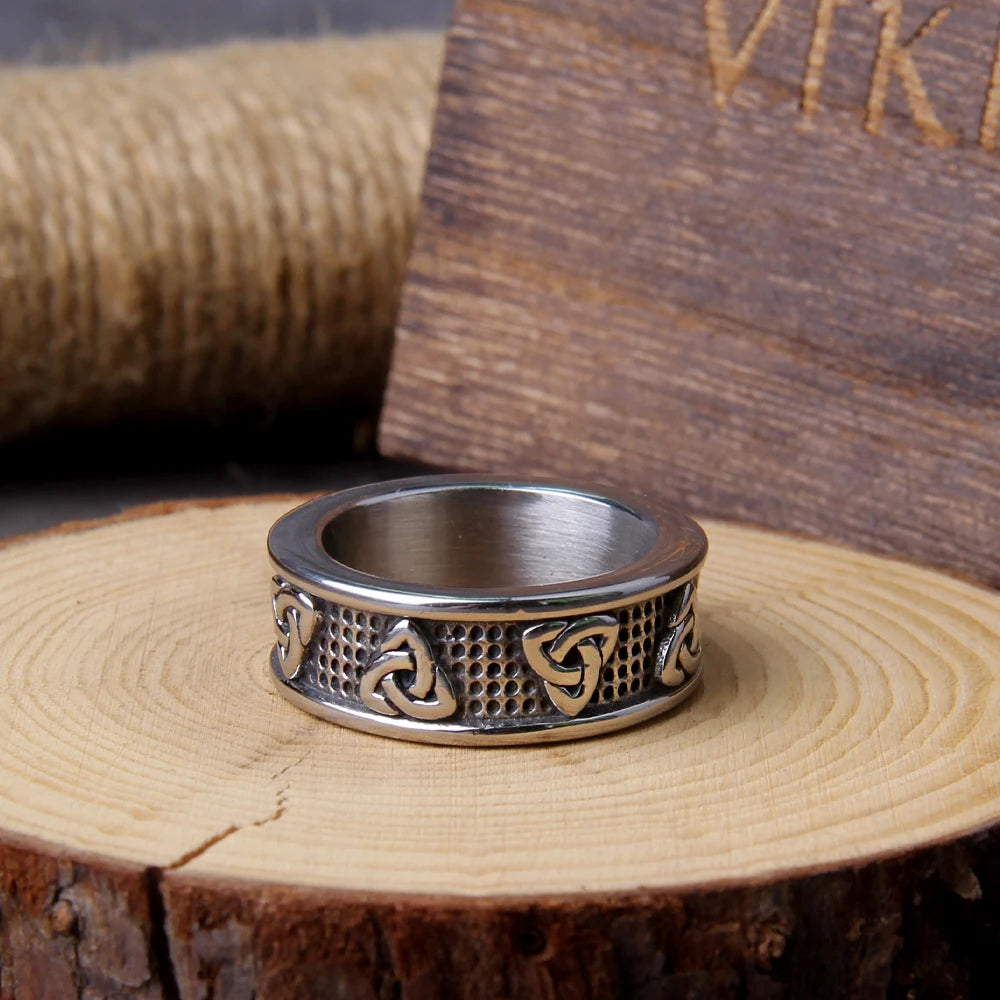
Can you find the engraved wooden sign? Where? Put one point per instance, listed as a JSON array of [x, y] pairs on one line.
[[741, 254]]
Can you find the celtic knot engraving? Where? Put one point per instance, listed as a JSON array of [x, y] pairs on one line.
[[295, 619], [426, 694], [678, 654], [569, 657]]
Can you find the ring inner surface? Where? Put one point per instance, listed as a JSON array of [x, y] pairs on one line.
[[488, 537]]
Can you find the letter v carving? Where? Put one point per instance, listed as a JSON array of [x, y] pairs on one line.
[[728, 66]]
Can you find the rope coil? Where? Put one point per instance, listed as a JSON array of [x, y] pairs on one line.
[[202, 231]]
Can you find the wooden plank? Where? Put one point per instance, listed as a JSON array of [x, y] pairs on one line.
[[740, 255]]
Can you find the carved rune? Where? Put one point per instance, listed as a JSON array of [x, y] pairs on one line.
[[678, 656], [569, 657], [403, 677], [295, 619]]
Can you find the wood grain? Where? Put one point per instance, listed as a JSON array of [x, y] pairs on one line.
[[740, 254], [842, 759]]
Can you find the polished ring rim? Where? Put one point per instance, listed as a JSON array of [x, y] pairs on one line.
[[296, 549], [456, 734]]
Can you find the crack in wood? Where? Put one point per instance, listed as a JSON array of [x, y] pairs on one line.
[[217, 838], [288, 767], [202, 847], [161, 959]]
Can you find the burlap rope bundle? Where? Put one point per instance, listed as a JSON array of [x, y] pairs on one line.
[[197, 232]]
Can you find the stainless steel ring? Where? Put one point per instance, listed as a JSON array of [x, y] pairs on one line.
[[458, 609]]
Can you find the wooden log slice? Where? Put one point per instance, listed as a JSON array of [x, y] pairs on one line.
[[821, 820]]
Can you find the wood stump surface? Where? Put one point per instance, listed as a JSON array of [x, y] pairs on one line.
[[821, 819]]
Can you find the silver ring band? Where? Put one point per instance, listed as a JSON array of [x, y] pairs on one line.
[[453, 609]]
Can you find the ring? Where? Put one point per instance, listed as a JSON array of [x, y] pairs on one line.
[[458, 609]]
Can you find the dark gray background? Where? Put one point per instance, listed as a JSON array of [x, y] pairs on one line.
[[68, 474], [47, 30]]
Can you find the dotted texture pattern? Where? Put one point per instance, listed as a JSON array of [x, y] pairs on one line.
[[486, 663]]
